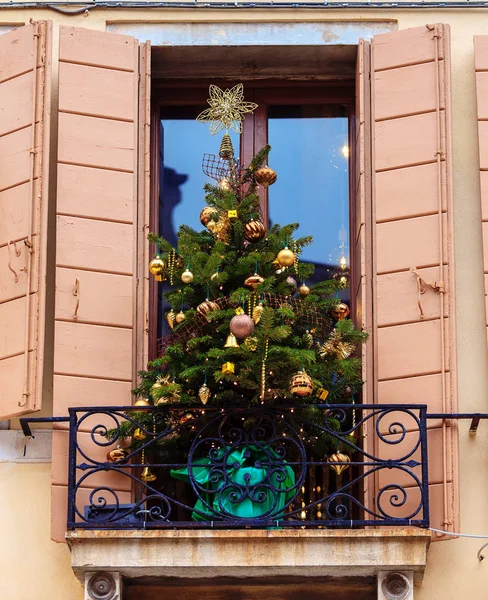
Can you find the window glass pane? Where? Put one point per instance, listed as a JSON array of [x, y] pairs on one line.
[[183, 142], [310, 155]]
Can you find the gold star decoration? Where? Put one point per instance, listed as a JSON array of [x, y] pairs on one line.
[[227, 109], [336, 345]]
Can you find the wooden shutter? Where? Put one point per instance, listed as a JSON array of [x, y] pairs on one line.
[[413, 353], [481, 68], [25, 83], [102, 216]]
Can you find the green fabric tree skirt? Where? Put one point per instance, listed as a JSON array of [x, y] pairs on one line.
[[243, 487]]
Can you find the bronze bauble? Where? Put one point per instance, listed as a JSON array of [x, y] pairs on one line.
[[254, 231], [286, 257], [253, 281], [206, 215], [207, 307], [265, 176], [341, 311], [241, 326], [301, 384], [338, 457], [116, 455]]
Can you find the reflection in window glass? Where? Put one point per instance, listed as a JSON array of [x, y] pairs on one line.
[[310, 155], [183, 142]]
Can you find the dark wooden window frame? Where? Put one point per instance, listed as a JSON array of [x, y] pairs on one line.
[[254, 137]]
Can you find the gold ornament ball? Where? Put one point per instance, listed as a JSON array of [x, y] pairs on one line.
[[338, 457], [141, 402], [301, 384], [286, 257], [180, 317], [157, 267], [265, 176], [304, 290], [116, 455], [241, 326], [254, 231], [187, 276]]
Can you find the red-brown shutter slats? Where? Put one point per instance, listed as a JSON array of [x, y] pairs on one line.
[[25, 84], [98, 224], [481, 68], [414, 334]]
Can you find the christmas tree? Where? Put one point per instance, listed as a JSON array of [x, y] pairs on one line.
[[247, 330]]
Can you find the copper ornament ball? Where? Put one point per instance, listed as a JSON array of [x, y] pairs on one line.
[[265, 176], [254, 231], [286, 257], [241, 326]]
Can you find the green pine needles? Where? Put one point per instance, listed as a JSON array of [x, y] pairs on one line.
[[292, 332]]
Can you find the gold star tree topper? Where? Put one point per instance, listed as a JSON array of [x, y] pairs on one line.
[[227, 109]]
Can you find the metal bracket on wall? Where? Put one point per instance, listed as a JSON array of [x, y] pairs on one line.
[[475, 418], [25, 423]]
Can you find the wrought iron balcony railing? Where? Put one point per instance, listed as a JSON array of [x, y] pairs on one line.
[[267, 467]]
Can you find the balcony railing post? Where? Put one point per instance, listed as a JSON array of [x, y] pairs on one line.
[[72, 468], [425, 463]]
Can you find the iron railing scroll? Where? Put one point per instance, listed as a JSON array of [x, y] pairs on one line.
[[327, 466]]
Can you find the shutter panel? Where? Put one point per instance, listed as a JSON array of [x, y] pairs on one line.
[[25, 84], [414, 358], [361, 226], [100, 227], [481, 68]]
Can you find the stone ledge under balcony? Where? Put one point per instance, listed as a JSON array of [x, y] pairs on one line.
[[249, 553]]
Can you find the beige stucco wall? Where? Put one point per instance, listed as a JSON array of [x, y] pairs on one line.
[[32, 566]]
